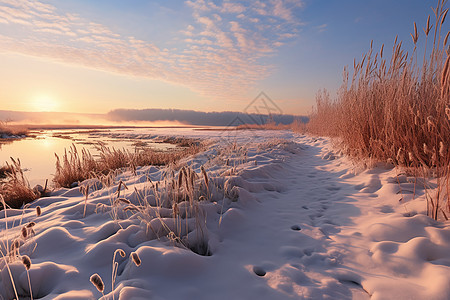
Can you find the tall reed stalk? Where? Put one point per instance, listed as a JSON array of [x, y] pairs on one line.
[[398, 109]]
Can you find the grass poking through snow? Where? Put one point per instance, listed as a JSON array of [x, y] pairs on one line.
[[75, 166], [14, 187]]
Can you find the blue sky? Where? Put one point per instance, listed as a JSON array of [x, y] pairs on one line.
[[95, 56]]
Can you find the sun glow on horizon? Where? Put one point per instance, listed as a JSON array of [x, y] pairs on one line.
[[44, 103]]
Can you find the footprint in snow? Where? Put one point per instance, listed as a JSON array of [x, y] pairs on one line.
[[333, 188], [259, 271], [386, 209], [295, 227]]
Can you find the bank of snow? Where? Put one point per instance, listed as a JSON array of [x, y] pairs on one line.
[[286, 219]]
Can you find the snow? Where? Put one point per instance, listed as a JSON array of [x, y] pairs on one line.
[[292, 219]]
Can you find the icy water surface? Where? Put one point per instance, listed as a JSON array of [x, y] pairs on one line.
[[37, 154]]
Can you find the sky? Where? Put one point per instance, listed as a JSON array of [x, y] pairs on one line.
[[89, 56]]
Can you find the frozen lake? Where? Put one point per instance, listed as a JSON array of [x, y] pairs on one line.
[[37, 153]]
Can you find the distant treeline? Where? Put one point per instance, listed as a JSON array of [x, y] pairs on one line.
[[192, 117]]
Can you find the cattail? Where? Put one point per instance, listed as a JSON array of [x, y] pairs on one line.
[[31, 224], [24, 232], [447, 112], [205, 176], [135, 257], [97, 282], [410, 157], [26, 261], [15, 245], [441, 149], [38, 211]]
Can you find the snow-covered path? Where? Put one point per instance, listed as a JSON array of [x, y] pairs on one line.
[[324, 230], [308, 224], [282, 234], [287, 236]]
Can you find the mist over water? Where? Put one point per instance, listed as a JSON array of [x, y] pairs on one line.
[[144, 117]]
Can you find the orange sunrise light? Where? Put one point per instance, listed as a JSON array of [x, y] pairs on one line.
[[45, 103]]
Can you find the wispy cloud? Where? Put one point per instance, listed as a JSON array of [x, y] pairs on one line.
[[322, 28], [222, 57]]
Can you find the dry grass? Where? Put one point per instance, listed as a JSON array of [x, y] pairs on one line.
[[174, 209], [4, 170], [9, 130], [398, 109], [182, 141], [14, 187], [74, 166], [11, 248]]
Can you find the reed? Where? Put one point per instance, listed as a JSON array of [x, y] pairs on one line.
[[10, 251], [115, 266], [14, 187], [97, 281], [397, 109], [75, 167], [135, 258], [10, 130], [172, 208], [26, 261]]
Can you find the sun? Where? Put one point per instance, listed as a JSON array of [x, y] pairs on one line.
[[44, 103]]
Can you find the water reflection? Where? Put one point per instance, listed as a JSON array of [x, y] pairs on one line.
[[37, 154]]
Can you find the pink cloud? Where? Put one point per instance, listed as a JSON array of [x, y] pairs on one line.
[[222, 56]]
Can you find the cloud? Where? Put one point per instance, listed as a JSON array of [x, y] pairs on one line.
[[322, 28], [235, 8], [222, 57]]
